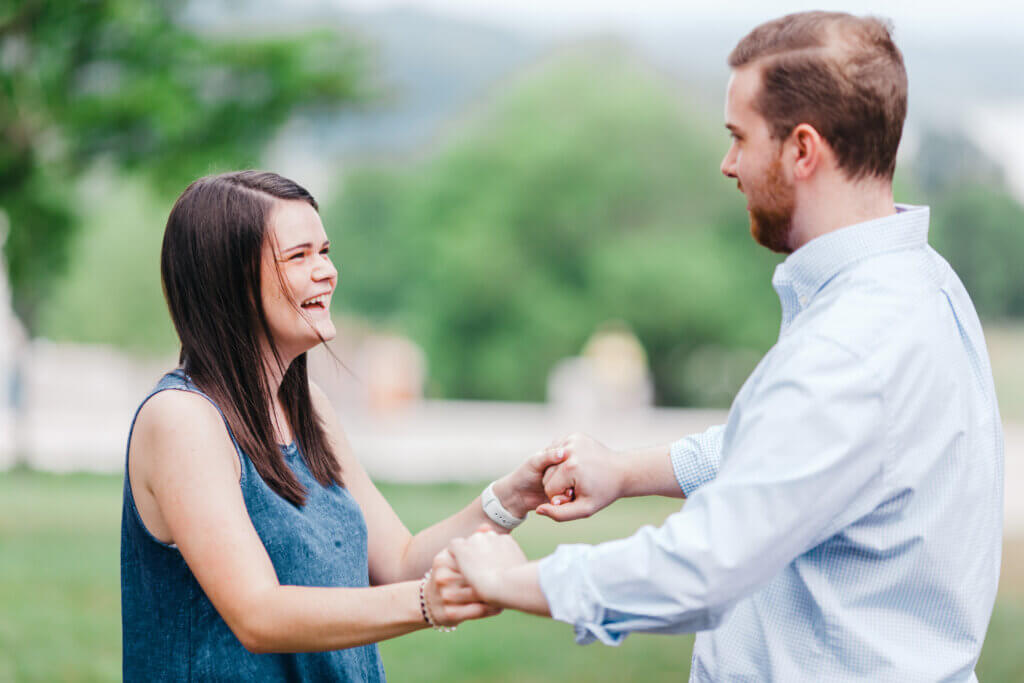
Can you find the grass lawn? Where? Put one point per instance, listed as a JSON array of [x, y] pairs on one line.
[[1005, 343], [60, 604]]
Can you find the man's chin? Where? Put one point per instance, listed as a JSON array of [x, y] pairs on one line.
[[771, 234]]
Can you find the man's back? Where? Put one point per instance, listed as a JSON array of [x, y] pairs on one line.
[[900, 582]]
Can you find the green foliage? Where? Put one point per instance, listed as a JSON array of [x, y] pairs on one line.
[[588, 192], [124, 81], [110, 293], [980, 231]]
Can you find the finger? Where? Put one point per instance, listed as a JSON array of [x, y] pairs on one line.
[[459, 595], [444, 559], [563, 479], [546, 458], [456, 614], [565, 512], [445, 576], [548, 474]]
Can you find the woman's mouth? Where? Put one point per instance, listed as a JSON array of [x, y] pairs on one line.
[[316, 303]]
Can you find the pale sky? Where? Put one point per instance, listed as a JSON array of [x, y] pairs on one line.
[[935, 17]]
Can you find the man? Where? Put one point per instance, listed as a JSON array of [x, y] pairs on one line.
[[845, 523]]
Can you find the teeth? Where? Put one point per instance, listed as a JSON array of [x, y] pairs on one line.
[[322, 299]]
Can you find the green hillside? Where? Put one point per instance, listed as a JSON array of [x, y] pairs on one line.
[[586, 191]]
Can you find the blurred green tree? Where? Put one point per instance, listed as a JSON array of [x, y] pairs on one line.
[[975, 221], [588, 191], [980, 231], [128, 83]]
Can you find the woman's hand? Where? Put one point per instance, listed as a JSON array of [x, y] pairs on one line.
[[522, 490], [450, 600]]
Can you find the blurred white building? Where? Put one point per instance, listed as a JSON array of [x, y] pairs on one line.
[[12, 338], [610, 376]]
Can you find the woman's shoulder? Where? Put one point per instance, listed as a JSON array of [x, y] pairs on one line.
[[180, 429], [179, 414]]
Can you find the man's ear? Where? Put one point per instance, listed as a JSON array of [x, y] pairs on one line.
[[808, 149]]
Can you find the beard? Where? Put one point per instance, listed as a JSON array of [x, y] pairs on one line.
[[771, 210]]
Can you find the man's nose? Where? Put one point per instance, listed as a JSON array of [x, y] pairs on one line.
[[728, 166]]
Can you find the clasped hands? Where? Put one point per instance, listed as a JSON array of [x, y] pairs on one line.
[[570, 479]]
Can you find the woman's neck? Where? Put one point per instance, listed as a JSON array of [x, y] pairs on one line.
[[274, 374]]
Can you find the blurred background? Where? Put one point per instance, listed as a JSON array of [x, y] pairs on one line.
[[532, 235]]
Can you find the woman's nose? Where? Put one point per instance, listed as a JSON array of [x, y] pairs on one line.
[[325, 269]]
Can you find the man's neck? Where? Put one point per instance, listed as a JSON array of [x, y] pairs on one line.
[[829, 207]]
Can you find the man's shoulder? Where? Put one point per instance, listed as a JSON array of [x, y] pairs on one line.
[[871, 318]]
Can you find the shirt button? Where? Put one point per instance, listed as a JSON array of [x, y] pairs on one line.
[[802, 300]]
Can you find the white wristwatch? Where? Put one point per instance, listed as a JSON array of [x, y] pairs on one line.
[[496, 511]]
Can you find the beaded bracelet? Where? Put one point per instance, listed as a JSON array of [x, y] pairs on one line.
[[425, 611]]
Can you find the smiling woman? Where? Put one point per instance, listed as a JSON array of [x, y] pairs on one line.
[[253, 544], [296, 258]]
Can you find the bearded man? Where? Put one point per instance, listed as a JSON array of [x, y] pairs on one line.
[[845, 523]]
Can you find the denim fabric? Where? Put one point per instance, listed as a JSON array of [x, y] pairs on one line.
[[171, 631]]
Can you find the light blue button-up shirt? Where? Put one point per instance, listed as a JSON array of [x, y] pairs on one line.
[[845, 524]]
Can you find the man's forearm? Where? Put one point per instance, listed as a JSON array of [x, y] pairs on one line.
[[648, 472], [518, 588]]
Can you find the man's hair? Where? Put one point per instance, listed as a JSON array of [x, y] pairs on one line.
[[839, 73]]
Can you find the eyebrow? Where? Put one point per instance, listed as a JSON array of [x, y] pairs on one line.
[[304, 245]]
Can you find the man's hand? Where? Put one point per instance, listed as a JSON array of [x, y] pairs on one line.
[[450, 599], [523, 489], [590, 478], [482, 558]]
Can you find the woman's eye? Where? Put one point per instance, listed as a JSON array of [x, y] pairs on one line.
[[325, 251], [296, 255]]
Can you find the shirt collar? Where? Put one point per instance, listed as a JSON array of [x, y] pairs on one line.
[[809, 268]]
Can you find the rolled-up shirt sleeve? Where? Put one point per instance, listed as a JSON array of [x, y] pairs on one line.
[[803, 456], [695, 458]]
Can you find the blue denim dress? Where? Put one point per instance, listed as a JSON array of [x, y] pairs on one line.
[[171, 631]]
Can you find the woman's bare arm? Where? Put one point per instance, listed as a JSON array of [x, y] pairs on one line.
[[189, 467], [395, 554]]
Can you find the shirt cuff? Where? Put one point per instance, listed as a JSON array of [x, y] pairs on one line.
[[695, 459], [566, 586]]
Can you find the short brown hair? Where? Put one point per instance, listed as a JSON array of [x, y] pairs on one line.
[[841, 74]]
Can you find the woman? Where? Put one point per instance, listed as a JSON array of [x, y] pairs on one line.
[[250, 530]]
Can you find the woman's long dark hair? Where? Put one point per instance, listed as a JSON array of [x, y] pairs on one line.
[[211, 266]]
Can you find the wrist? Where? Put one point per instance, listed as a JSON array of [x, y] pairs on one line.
[[625, 474], [506, 494], [489, 587], [646, 471]]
